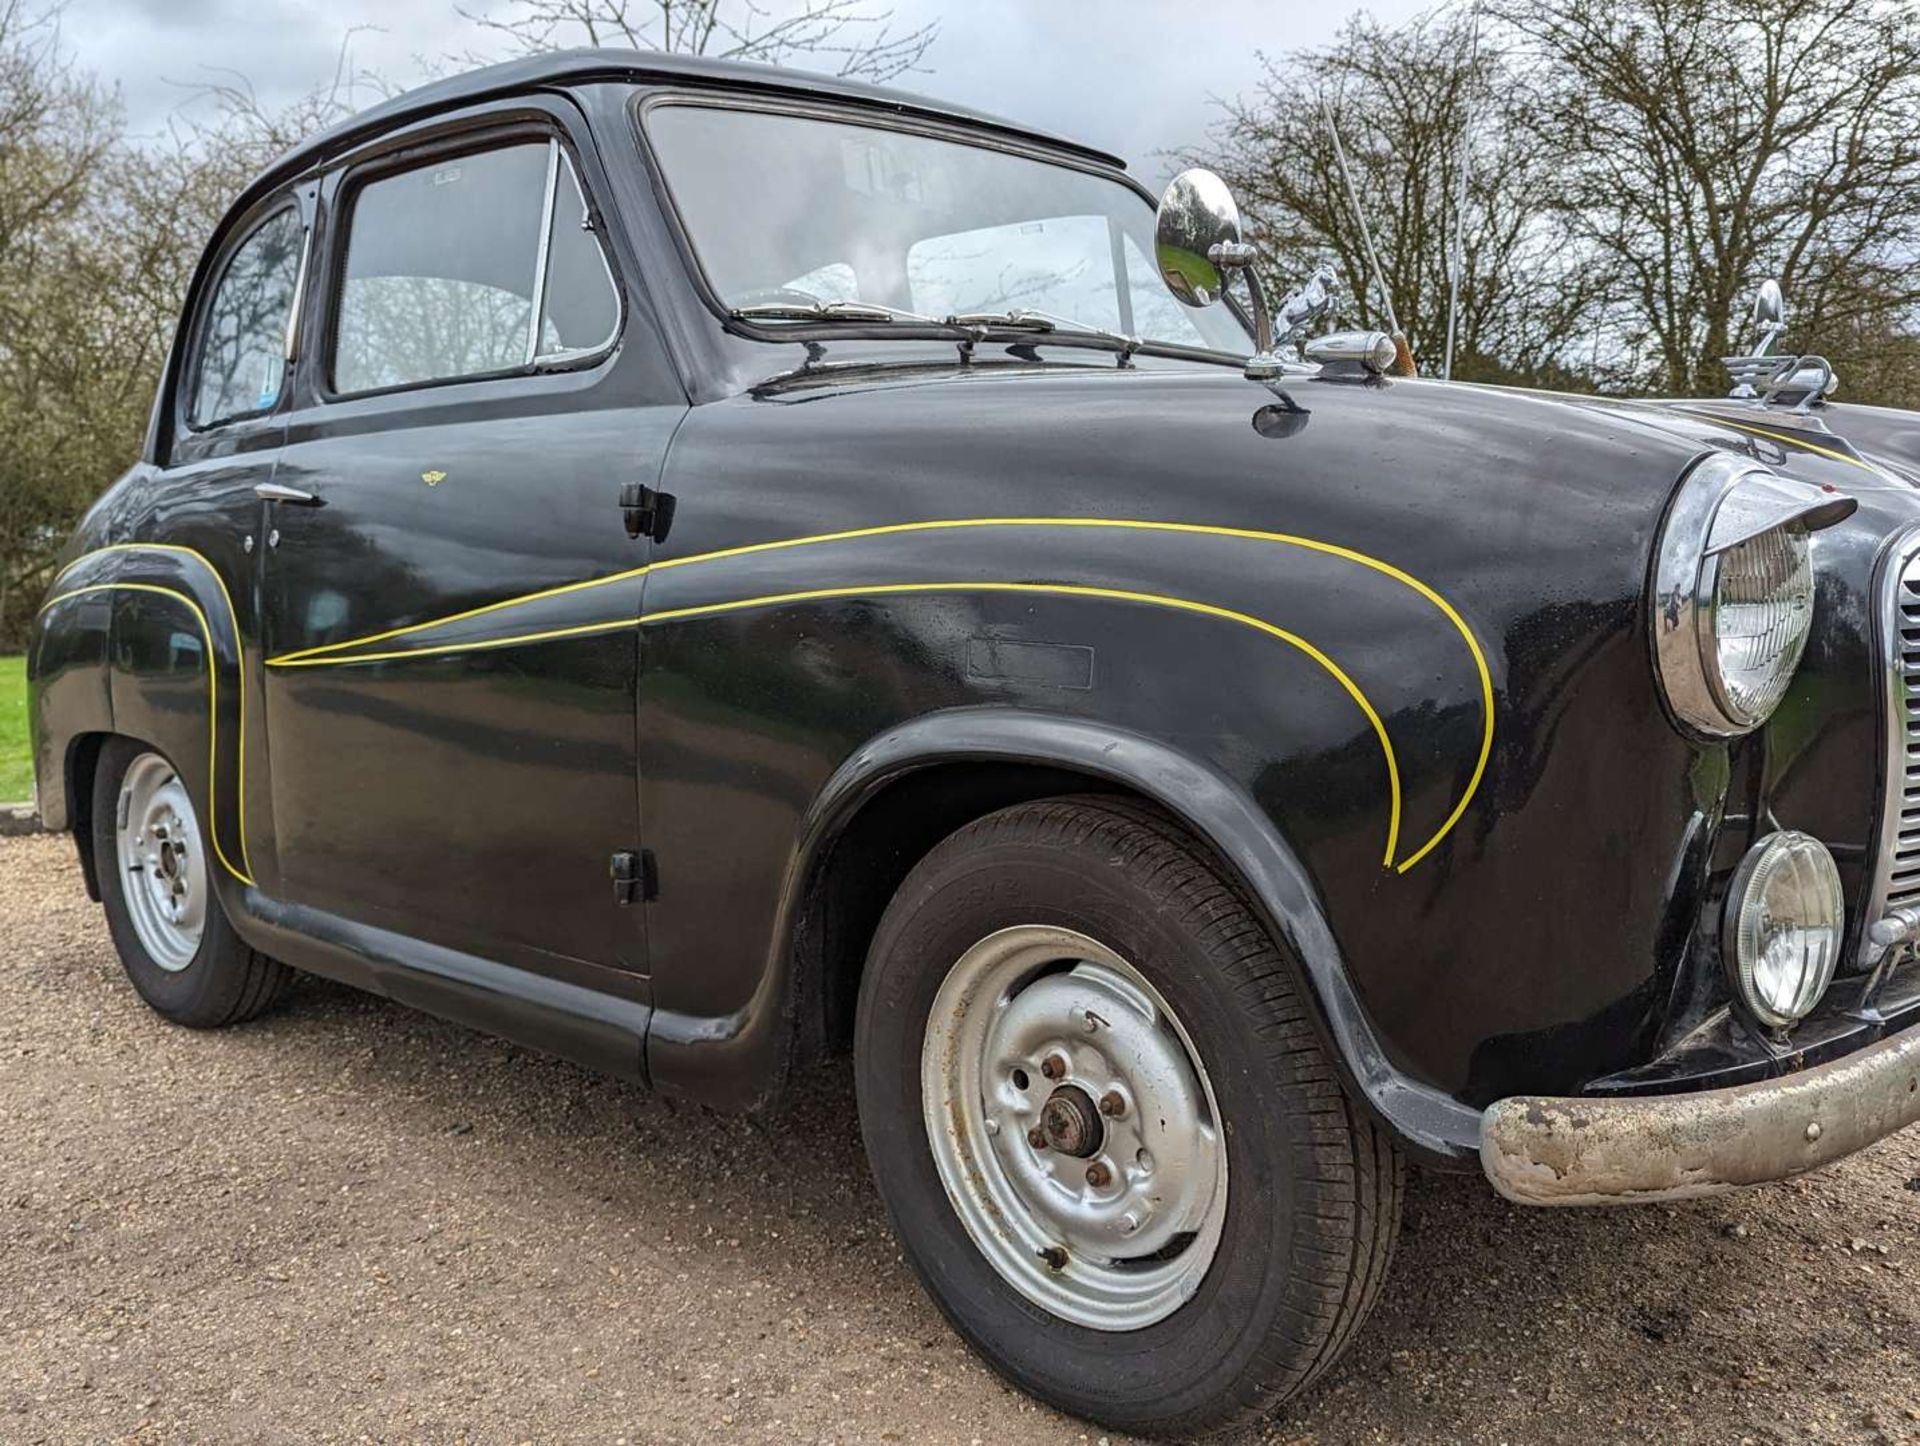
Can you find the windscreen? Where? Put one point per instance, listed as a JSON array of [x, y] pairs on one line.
[[795, 209]]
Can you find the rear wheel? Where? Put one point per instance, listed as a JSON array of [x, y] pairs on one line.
[[173, 938], [1106, 1134]]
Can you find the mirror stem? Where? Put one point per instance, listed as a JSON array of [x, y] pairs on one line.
[[1262, 317], [1263, 365]]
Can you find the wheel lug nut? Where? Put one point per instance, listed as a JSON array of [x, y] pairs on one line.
[[1098, 1175], [1112, 1105], [1037, 1137], [1053, 1067]]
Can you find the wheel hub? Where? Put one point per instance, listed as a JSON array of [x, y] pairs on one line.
[[166, 879], [1071, 1123], [1073, 1127]]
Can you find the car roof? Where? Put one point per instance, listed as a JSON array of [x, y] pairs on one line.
[[577, 67]]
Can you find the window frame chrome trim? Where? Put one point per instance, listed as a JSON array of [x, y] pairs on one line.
[[567, 356], [542, 253], [292, 347], [520, 120]]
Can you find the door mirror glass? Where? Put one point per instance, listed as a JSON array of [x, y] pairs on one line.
[[1197, 215]]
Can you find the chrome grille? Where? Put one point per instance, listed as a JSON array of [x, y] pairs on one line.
[[1903, 794], [1896, 876]]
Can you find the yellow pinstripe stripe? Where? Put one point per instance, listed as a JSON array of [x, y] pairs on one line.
[[330, 654], [1077, 590], [233, 616], [883, 589], [213, 699], [325, 651], [302, 660], [300, 654]]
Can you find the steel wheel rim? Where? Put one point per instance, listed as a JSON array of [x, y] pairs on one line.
[[163, 868], [1099, 1190]]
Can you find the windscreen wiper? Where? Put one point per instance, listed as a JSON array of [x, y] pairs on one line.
[[1025, 318], [968, 328], [855, 311]]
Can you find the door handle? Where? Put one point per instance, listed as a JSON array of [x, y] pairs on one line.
[[292, 496]]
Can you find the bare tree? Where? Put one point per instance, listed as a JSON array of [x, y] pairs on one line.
[[1701, 145], [1406, 100], [57, 131], [99, 238], [856, 37]]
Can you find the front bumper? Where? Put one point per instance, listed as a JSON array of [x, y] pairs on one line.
[[1546, 1151]]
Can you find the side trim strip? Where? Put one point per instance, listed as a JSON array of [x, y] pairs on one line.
[[213, 698]]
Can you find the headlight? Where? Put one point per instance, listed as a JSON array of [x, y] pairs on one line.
[[1783, 926], [1733, 591], [1759, 610]]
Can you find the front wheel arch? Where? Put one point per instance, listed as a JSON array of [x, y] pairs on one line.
[[990, 758]]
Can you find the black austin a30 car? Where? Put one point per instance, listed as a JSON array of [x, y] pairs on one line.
[[697, 568]]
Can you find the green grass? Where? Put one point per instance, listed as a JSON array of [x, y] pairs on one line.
[[16, 762]]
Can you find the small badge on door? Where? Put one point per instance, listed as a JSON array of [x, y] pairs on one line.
[[433, 479]]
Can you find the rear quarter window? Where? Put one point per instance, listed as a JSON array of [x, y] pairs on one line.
[[240, 363]]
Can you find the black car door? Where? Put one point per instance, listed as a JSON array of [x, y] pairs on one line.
[[450, 585]]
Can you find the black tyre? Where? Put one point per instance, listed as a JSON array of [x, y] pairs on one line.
[[156, 876], [1106, 1134]]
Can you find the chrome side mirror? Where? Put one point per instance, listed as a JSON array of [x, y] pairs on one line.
[[1198, 245], [1198, 217]]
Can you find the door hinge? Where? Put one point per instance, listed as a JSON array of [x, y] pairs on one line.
[[635, 877], [648, 513]]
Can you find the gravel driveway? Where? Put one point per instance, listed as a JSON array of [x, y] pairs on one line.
[[348, 1221]]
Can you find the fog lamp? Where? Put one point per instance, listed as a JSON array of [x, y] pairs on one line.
[[1783, 926]]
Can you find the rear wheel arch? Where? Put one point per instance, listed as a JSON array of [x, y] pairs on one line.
[[83, 763]]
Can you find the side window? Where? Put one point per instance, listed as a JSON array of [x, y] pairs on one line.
[[449, 264], [242, 356]]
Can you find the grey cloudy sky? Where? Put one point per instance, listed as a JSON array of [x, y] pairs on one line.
[[1133, 76]]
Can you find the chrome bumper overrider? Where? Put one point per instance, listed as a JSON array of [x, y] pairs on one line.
[[1547, 1151]]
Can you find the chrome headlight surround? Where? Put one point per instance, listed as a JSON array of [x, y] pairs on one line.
[[1732, 521]]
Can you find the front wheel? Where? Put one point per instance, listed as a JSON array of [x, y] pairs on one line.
[[1105, 1132], [173, 938]]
